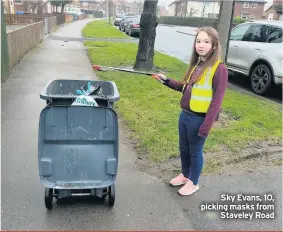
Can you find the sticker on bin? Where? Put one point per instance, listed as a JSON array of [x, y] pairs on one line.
[[84, 101]]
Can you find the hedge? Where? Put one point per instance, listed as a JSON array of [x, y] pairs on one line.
[[188, 21]]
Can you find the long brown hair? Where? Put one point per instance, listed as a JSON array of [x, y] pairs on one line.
[[213, 55]]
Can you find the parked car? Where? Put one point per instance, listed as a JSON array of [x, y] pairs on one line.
[[255, 50], [123, 22], [117, 19], [133, 26]]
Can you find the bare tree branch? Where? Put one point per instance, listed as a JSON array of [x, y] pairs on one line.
[[193, 11]]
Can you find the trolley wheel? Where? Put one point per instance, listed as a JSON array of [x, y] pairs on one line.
[[48, 198], [111, 195]]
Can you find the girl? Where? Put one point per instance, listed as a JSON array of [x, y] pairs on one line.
[[203, 87]]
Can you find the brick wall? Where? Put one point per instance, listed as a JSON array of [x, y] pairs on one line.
[[20, 41], [257, 12]]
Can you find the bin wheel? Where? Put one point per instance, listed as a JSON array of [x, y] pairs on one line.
[[48, 198], [111, 195]]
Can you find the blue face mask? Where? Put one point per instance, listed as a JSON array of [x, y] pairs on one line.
[[90, 89]]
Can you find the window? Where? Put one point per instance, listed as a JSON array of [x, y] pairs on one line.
[[18, 1], [246, 5], [274, 35], [245, 15], [254, 5], [258, 33], [252, 17], [239, 32]]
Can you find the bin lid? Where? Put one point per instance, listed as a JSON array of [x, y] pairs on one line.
[[67, 89]]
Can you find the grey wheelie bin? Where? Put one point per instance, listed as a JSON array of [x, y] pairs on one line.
[[78, 145]]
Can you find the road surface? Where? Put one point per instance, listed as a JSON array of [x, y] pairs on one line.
[[177, 41]]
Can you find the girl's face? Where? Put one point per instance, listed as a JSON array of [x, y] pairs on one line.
[[203, 44]]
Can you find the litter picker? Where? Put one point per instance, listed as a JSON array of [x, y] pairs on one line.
[[106, 68]]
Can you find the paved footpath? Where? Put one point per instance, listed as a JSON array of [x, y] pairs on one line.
[[142, 201]]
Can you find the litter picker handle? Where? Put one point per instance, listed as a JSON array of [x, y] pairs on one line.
[[106, 68]]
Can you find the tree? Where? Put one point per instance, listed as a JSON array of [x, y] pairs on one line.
[[192, 11], [63, 3], [148, 24], [40, 7], [32, 5], [203, 10], [55, 4], [122, 6]]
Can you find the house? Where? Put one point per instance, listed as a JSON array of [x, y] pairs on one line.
[[25, 6], [161, 11], [207, 9], [171, 8], [89, 4], [9, 7], [125, 7], [249, 9], [274, 12], [196, 8]]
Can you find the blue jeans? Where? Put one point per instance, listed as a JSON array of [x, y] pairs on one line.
[[191, 145]]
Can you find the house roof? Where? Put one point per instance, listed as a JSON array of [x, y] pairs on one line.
[[277, 8]]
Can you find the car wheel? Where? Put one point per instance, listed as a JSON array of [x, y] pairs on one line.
[[261, 79]]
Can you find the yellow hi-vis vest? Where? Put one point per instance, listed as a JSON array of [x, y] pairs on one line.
[[202, 91]]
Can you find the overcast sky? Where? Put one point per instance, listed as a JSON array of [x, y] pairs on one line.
[[167, 2]]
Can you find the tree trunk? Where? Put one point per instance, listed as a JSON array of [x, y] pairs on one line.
[[26, 6], [62, 9], [148, 24], [40, 7]]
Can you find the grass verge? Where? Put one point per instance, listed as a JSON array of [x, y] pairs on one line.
[[151, 110], [102, 29]]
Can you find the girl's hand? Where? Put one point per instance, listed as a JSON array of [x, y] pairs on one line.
[[160, 77]]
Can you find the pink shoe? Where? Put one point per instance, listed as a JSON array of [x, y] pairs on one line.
[[179, 180], [188, 189]]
